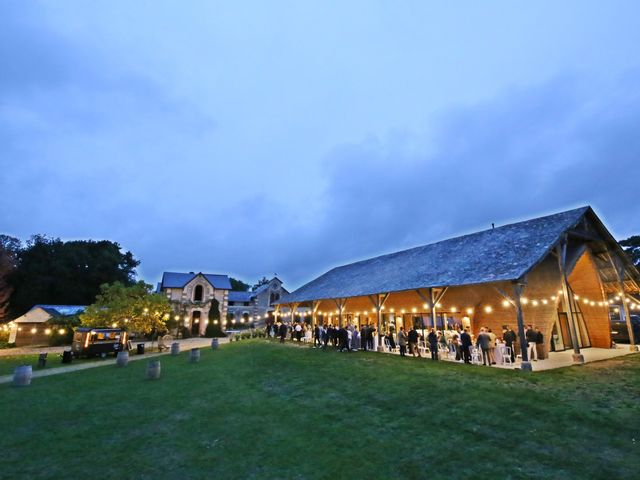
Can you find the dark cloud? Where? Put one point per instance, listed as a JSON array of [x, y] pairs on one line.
[[247, 164], [525, 153]]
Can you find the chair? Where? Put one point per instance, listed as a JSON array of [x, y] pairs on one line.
[[506, 355], [387, 346], [476, 357], [422, 347], [164, 342]]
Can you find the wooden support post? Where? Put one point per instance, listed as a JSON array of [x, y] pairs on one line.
[[517, 293], [293, 307], [314, 308], [561, 250], [340, 303], [378, 300], [620, 271], [433, 302]]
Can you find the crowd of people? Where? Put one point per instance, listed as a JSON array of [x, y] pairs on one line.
[[457, 342]]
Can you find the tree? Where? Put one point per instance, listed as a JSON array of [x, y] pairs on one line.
[[262, 281], [133, 308], [631, 245], [9, 248], [51, 271], [238, 285], [214, 329]]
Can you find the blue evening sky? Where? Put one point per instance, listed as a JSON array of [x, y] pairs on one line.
[[253, 138]]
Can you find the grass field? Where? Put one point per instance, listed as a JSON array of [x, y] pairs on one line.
[[261, 410]]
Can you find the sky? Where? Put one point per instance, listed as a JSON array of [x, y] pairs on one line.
[[261, 138]]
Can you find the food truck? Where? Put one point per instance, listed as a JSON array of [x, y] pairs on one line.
[[90, 342]]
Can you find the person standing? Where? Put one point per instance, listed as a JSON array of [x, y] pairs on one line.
[[483, 342], [363, 337], [370, 332], [316, 337], [283, 332], [325, 336], [455, 343], [465, 345], [531, 337], [492, 346], [298, 329], [540, 344], [433, 344], [413, 342], [509, 337], [402, 342]]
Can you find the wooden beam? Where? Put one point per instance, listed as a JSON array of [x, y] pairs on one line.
[[620, 272], [505, 296], [518, 287], [567, 296]]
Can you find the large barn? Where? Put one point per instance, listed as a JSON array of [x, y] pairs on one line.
[[562, 273]]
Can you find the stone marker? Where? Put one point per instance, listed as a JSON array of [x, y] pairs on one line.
[[122, 358], [153, 369], [194, 355], [175, 348], [214, 344], [22, 376]]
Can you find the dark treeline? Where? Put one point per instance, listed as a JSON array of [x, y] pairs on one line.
[[47, 270]]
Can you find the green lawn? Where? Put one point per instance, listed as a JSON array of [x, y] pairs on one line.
[[9, 362], [262, 410]]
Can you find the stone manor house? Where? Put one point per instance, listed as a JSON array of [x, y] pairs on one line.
[[192, 294]]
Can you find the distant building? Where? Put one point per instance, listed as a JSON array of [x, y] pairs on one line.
[[34, 327], [191, 295], [257, 303]]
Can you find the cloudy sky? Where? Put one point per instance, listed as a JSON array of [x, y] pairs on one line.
[[254, 138]]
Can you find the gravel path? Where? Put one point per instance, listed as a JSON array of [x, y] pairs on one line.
[[185, 345]]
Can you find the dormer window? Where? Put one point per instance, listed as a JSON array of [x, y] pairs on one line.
[[197, 293]]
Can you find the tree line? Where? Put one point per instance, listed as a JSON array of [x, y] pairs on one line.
[[46, 270]]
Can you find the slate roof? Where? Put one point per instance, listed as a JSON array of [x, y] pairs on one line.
[[503, 253], [61, 310], [179, 280], [237, 296], [53, 311]]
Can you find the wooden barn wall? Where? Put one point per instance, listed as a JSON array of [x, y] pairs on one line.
[[585, 282]]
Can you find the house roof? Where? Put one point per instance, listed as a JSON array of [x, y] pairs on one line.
[[237, 296], [498, 254], [32, 315], [61, 310], [179, 280]]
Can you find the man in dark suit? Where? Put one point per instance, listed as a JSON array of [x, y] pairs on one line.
[[465, 345], [433, 344], [283, 332], [413, 342], [509, 337], [316, 337]]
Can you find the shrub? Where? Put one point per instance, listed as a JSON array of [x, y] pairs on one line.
[[214, 331], [186, 333]]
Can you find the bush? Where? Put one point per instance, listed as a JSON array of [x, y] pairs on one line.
[[57, 339], [186, 333], [214, 331], [4, 345]]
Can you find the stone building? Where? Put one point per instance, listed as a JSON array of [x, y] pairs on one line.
[[192, 294], [256, 304]]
